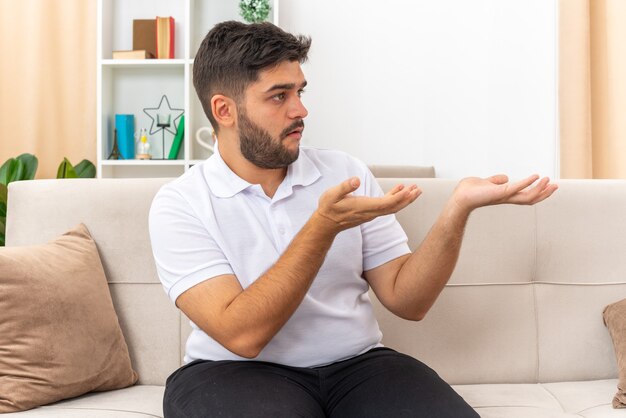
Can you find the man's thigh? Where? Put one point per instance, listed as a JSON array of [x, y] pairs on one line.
[[384, 383], [240, 389]]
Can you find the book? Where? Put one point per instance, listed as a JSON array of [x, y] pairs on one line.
[[141, 54], [144, 36], [165, 37], [178, 139], [125, 127]]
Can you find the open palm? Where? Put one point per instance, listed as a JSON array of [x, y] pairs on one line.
[[475, 192]]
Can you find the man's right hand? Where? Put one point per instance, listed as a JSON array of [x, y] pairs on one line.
[[340, 209]]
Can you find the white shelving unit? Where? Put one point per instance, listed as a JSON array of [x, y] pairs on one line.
[[129, 86]]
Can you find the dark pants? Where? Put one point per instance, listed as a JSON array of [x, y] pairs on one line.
[[381, 383]]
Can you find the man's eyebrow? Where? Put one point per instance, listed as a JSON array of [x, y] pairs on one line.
[[286, 86]]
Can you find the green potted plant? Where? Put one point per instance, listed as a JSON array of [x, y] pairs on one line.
[[24, 167], [254, 11]]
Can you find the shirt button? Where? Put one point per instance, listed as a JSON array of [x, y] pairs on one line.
[[281, 230]]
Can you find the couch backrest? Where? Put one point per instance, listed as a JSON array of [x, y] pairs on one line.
[[524, 303], [526, 299], [402, 171]]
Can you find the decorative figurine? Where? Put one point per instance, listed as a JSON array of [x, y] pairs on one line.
[[143, 146], [115, 152]]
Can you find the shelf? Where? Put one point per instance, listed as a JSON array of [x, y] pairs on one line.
[[142, 162], [147, 63], [116, 20], [130, 86]]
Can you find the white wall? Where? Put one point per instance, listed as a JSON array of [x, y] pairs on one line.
[[468, 86]]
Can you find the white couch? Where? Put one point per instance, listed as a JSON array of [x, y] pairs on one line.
[[518, 331]]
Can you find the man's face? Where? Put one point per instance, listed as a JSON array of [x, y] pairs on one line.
[[270, 119]]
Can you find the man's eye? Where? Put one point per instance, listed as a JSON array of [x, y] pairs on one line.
[[301, 92], [279, 97]]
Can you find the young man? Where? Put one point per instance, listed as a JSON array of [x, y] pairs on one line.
[[270, 249]]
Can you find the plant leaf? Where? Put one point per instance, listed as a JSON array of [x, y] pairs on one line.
[[4, 198], [30, 166], [66, 170], [85, 169], [18, 174], [1, 238], [4, 170], [4, 193], [7, 170], [14, 171]]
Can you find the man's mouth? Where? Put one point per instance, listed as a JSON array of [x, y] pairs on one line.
[[294, 131]]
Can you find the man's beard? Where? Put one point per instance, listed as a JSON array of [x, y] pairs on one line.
[[258, 146]]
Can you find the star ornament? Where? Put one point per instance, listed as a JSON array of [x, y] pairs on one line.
[[164, 108]]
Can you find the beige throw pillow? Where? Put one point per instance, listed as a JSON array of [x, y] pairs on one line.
[[615, 320], [59, 334]]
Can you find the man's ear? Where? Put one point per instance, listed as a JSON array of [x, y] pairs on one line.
[[224, 110]]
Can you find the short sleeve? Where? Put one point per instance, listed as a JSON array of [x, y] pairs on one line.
[[184, 251], [383, 238]]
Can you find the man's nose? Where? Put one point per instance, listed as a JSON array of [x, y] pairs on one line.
[[297, 110]]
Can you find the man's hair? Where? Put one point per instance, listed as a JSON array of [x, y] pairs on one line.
[[232, 54]]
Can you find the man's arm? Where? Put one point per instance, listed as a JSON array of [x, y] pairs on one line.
[[244, 321], [408, 286]]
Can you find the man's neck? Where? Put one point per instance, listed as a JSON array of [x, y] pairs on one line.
[[268, 178]]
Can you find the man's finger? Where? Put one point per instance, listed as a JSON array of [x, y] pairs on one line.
[[391, 203], [539, 192], [344, 188], [395, 189], [545, 193], [522, 184], [534, 191]]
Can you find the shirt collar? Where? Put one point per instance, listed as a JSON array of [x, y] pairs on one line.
[[225, 183], [303, 171]]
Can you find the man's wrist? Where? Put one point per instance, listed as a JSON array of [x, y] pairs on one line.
[[322, 224], [455, 212]]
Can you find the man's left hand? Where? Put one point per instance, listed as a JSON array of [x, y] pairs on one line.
[[474, 192]]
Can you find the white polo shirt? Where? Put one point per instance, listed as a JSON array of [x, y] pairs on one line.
[[210, 222]]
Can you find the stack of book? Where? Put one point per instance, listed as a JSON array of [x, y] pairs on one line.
[[152, 38], [139, 54], [165, 37]]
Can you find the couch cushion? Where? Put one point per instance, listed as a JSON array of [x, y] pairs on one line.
[[507, 395], [573, 342], [558, 400], [464, 341], [59, 334], [582, 397], [133, 402]]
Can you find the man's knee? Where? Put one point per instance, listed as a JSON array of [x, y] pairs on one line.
[[392, 384], [238, 390]]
